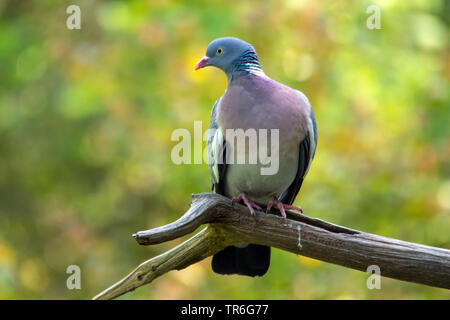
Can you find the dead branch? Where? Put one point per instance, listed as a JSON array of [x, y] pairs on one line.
[[232, 223]]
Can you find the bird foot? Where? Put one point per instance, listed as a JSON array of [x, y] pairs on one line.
[[251, 205], [282, 207]]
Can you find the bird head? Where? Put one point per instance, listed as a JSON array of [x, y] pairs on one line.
[[224, 53]]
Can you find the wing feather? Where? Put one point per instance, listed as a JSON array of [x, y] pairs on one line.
[[307, 151], [215, 146]]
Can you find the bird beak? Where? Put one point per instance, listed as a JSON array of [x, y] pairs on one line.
[[202, 63]]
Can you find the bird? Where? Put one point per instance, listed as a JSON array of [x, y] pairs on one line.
[[252, 100]]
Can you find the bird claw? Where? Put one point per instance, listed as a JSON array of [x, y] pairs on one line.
[[251, 205], [282, 207]]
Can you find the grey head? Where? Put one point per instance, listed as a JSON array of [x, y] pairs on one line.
[[233, 56]]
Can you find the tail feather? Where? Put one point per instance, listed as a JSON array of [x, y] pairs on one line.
[[252, 260]]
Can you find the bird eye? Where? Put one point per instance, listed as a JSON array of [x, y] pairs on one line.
[[219, 51]]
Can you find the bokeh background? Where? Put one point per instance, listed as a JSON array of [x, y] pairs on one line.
[[86, 118]]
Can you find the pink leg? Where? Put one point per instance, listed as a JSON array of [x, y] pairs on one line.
[[251, 205], [282, 207]]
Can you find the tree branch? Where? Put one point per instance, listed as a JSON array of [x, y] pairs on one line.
[[230, 223]]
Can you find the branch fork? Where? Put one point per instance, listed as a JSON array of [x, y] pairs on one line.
[[230, 223]]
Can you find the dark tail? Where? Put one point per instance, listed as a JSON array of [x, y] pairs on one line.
[[253, 260]]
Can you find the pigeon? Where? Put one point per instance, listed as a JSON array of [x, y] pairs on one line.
[[253, 101]]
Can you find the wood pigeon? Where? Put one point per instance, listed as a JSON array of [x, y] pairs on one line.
[[254, 101]]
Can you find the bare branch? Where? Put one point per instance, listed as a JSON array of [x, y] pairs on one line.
[[204, 244], [232, 223]]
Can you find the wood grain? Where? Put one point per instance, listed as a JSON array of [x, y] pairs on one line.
[[230, 223]]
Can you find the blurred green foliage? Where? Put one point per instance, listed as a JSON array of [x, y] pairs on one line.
[[86, 118]]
